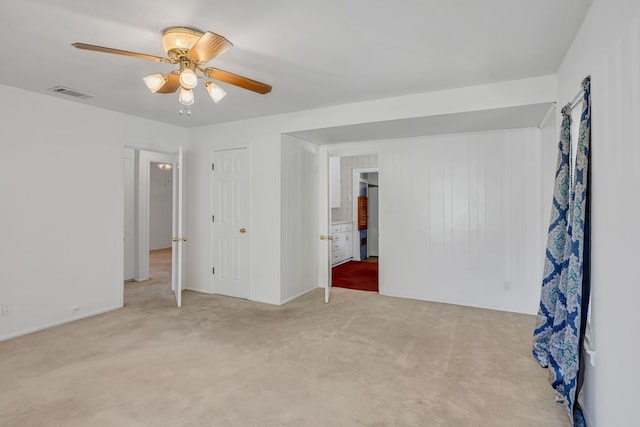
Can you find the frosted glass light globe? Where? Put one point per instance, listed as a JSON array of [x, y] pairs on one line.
[[188, 79]]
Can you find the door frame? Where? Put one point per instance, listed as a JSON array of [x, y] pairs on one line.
[[145, 158], [355, 182], [324, 226]]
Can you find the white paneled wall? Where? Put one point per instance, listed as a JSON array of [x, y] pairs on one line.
[[460, 219], [300, 203]]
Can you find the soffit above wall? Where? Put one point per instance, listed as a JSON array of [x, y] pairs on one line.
[[524, 116]]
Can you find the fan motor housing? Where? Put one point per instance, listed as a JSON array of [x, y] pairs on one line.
[[177, 41]]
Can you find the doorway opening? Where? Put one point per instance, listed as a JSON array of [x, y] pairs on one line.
[[354, 233], [160, 221], [152, 216]]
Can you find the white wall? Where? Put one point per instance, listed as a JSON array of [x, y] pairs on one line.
[[62, 206], [64, 237], [460, 219], [263, 137], [263, 140], [299, 219], [160, 207], [608, 47]]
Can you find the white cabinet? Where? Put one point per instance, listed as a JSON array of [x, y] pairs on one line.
[[341, 245], [334, 181]]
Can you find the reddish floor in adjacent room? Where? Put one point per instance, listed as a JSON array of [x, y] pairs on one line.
[[362, 276]]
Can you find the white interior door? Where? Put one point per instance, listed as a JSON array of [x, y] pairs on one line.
[[325, 223], [129, 215], [230, 215], [178, 240]]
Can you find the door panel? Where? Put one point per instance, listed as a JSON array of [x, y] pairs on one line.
[[230, 206], [178, 239], [325, 222]]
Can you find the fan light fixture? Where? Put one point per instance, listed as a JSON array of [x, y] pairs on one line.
[[189, 48], [186, 96], [215, 92], [179, 38], [155, 82], [188, 78]]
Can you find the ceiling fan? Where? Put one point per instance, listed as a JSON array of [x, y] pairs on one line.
[[191, 49]]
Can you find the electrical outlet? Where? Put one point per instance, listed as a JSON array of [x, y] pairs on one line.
[[6, 309]]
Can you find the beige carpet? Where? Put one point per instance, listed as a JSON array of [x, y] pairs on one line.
[[362, 360]]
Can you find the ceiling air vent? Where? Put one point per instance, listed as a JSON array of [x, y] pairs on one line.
[[69, 92]]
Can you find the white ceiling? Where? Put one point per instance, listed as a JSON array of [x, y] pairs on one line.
[[313, 53]]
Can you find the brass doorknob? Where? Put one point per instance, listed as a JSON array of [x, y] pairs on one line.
[[175, 239], [323, 237], [243, 230], [184, 239]]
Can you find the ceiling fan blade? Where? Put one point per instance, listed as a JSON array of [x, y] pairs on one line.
[[171, 85], [236, 80], [208, 47], [119, 52]]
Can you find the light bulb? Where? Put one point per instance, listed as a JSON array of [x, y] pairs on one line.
[[186, 96], [154, 82], [188, 78], [215, 92]]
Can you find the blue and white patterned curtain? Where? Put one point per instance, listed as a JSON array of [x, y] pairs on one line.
[[559, 332]]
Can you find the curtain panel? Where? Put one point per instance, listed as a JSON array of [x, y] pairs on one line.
[[561, 319]]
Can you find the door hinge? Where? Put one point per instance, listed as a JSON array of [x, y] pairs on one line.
[[213, 218], [213, 166], [213, 270]]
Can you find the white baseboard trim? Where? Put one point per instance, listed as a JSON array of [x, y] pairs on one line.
[[61, 322], [264, 301], [211, 292], [462, 304], [283, 302], [201, 290]]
